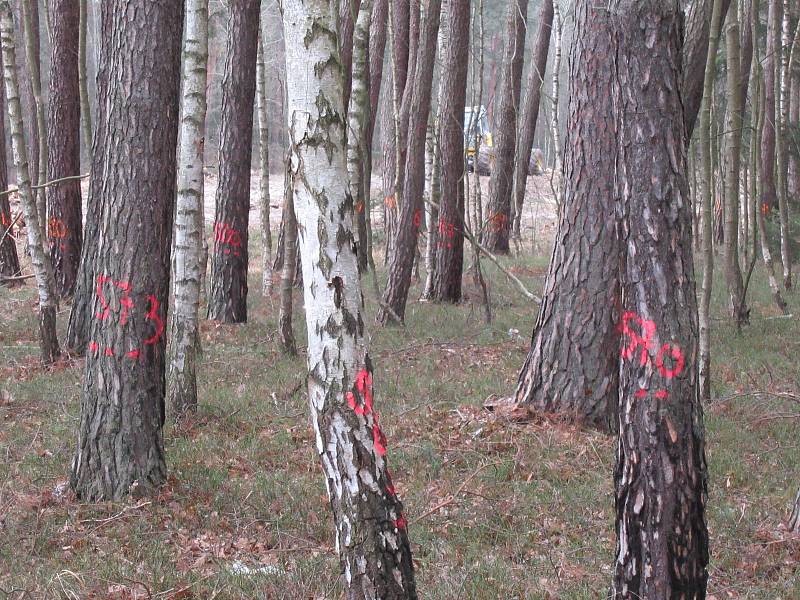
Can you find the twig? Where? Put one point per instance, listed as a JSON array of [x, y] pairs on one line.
[[7, 232], [46, 184], [118, 515]]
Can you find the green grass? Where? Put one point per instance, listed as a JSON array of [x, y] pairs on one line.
[[531, 512]]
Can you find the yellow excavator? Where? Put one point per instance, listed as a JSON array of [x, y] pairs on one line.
[[477, 133]]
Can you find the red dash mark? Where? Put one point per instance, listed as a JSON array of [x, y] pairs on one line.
[[152, 315], [101, 280], [676, 355], [134, 354], [94, 346], [662, 394], [642, 393], [648, 330], [401, 522], [109, 352], [418, 218]]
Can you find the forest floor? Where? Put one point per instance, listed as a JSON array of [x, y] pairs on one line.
[[499, 507]]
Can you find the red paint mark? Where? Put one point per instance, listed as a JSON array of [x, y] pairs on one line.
[[662, 394], [94, 346], [109, 352], [676, 355], [134, 354], [498, 222], [400, 522], [152, 315], [5, 219], [418, 218], [765, 208], [648, 330], [101, 280], [389, 202], [359, 207], [56, 228], [226, 235], [642, 393]]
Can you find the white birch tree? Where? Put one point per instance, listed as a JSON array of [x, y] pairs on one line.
[[263, 158]]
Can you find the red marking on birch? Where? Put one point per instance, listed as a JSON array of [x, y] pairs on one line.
[[648, 330], [676, 355]]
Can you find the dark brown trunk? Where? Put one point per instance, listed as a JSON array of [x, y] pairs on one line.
[[120, 446], [64, 224], [450, 237], [377, 52], [289, 265], [496, 235], [769, 193], [9, 259], [530, 109], [695, 51], [573, 365], [227, 301], [660, 474], [347, 18], [410, 220]]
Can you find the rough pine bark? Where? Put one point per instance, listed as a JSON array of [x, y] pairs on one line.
[[660, 475], [530, 109], [40, 262], [288, 270], [65, 223], [9, 259], [450, 227], [371, 531], [227, 300], [348, 14], [769, 193], [189, 226], [501, 183], [573, 364], [405, 246], [120, 447]]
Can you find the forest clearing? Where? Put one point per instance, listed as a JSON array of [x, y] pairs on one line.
[[399, 299]]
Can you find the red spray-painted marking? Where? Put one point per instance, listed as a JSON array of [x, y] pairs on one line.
[[5, 220], [648, 330], [662, 394], [152, 315], [641, 393], [676, 355], [446, 230], [226, 235], [56, 228], [94, 346], [418, 218], [498, 222], [134, 354], [401, 522]]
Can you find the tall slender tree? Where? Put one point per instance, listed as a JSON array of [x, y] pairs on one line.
[[769, 194], [405, 246], [660, 474], [227, 301], [573, 366], [9, 259], [65, 222], [450, 229], [120, 447], [86, 113], [496, 236], [189, 226], [263, 160], [371, 531], [40, 262]]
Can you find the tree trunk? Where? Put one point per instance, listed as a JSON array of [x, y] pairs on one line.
[[86, 112], [558, 25], [794, 519], [405, 246], [695, 55], [120, 446], [65, 225], [40, 262], [26, 86], [450, 233], [660, 475], [733, 133], [189, 226], [9, 259], [497, 235], [371, 535], [348, 13], [227, 301], [707, 206], [793, 183], [769, 190], [530, 109], [573, 364], [288, 268], [263, 155], [781, 146]]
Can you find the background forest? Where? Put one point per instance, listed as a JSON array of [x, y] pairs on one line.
[[244, 239]]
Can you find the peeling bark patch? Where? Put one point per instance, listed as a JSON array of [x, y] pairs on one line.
[[338, 286]]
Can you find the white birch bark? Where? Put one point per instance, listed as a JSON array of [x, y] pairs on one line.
[[185, 343], [371, 533], [558, 25], [263, 157], [781, 146], [40, 262]]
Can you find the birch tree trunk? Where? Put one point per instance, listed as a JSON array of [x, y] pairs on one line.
[[660, 475], [65, 223], [120, 448], [227, 300], [40, 262], [572, 367], [263, 156], [781, 146], [769, 191], [371, 535], [9, 259], [558, 25], [189, 227], [530, 109], [496, 237], [707, 206]]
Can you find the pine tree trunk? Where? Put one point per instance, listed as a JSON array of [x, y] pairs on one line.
[[371, 535], [263, 156], [348, 14], [65, 223], [227, 301], [733, 145], [189, 226], [9, 259], [288, 268], [40, 262], [86, 113], [120, 446], [405, 246], [496, 237], [660, 475], [573, 364], [769, 189], [707, 206], [450, 231], [530, 109]]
